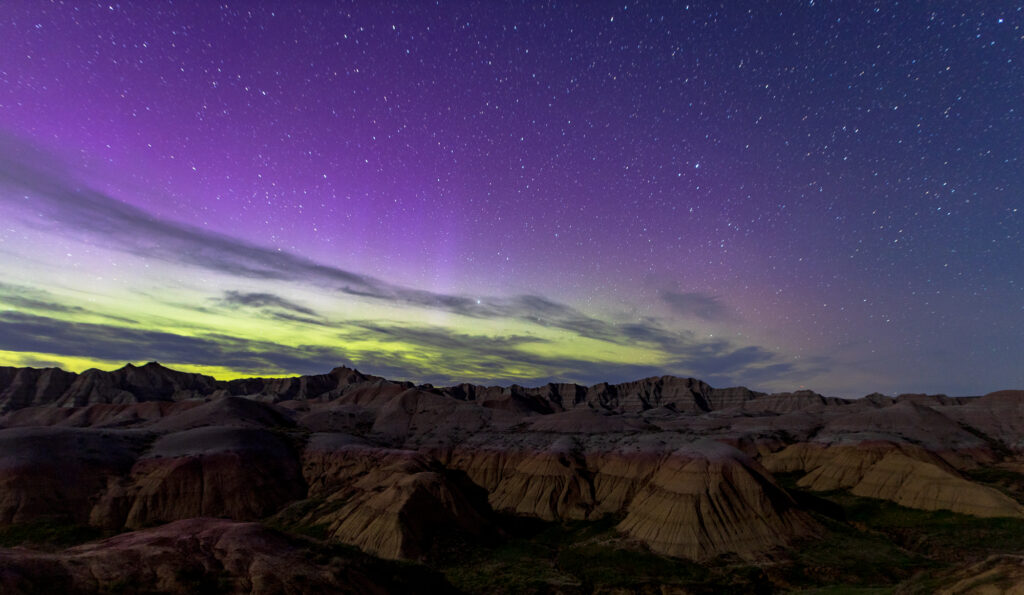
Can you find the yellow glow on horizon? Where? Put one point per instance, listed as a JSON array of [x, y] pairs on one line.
[[425, 343]]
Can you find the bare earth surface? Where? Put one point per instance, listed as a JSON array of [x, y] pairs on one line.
[[150, 480]]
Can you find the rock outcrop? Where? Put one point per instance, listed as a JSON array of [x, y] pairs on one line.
[[392, 503], [902, 473], [682, 467], [59, 472], [710, 499], [206, 555], [238, 473]]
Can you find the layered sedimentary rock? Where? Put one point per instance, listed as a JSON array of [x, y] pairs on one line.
[[710, 499], [905, 474], [59, 472], [392, 503], [917, 484], [238, 473], [388, 466], [549, 484]]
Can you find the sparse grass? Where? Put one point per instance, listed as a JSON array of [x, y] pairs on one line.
[[611, 566], [583, 557], [847, 558], [292, 518], [49, 534], [886, 548], [867, 547], [1005, 480], [942, 535]]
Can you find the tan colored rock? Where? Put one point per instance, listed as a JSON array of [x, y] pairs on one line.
[[917, 484], [239, 473], [389, 502], [335, 461], [619, 476], [412, 411], [550, 483], [905, 474], [710, 499], [336, 417], [135, 384], [843, 467]]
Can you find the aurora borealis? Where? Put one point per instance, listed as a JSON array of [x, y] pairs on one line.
[[779, 195]]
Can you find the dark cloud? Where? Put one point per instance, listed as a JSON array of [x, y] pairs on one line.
[[105, 219], [74, 207], [25, 332], [77, 208], [437, 356], [264, 300], [654, 334], [270, 305], [287, 317], [28, 298], [482, 360], [699, 305], [51, 191], [715, 358], [27, 303], [439, 338], [488, 359], [363, 293], [20, 297], [32, 362], [442, 356]]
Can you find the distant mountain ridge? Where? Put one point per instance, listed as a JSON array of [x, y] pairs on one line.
[[33, 387]]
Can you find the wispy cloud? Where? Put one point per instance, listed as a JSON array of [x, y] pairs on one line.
[[28, 298], [72, 207], [425, 354], [271, 306], [483, 357], [19, 297], [264, 300], [75, 208], [40, 334]]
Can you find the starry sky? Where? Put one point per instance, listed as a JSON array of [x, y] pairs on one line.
[[780, 195]]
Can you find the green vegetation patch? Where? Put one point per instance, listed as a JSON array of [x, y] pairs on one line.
[[583, 557], [942, 535], [1005, 480], [845, 559], [49, 534], [292, 518]]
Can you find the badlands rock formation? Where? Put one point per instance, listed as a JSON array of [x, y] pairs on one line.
[[708, 499], [205, 555], [680, 467]]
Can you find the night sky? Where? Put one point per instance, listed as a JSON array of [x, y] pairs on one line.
[[774, 194]]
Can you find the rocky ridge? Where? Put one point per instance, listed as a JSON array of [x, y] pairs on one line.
[[683, 468]]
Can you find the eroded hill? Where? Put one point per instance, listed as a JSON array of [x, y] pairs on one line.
[[670, 471]]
